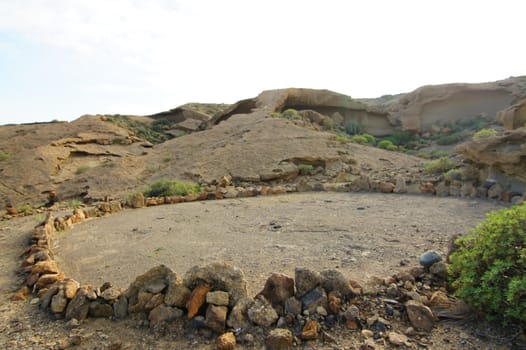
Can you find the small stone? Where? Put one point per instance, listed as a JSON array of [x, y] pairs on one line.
[[219, 298], [262, 313], [72, 324], [306, 280], [352, 313], [335, 303], [320, 310], [367, 333], [313, 299], [70, 288], [310, 330], [197, 299], [279, 339], [226, 341], [216, 318], [429, 258], [387, 187], [21, 294], [293, 306], [59, 302], [398, 339], [420, 316]]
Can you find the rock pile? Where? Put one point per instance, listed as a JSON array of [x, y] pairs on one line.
[[311, 306]]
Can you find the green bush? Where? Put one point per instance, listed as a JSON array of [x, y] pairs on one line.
[[343, 138], [488, 270], [439, 166], [305, 169], [484, 134], [370, 139], [402, 138], [439, 154], [353, 127], [455, 174], [163, 188], [359, 139], [291, 114], [387, 144], [328, 124]]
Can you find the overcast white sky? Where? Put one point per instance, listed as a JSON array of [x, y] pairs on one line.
[[60, 59]]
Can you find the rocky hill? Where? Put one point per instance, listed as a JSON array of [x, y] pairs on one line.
[[292, 137]]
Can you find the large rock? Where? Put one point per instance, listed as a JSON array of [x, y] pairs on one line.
[[141, 291], [238, 317], [504, 153], [262, 313], [278, 289], [514, 117], [78, 307], [220, 276], [197, 299], [420, 316], [216, 318], [163, 313], [335, 281]]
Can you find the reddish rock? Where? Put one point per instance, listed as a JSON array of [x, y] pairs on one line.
[[278, 288], [387, 187], [78, 307], [197, 299], [11, 210], [428, 187], [21, 294], [310, 330], [335, 303]]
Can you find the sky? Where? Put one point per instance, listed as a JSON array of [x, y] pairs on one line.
[[60, 59]]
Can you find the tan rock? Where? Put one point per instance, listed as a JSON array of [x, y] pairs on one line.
[[215, 318], [387, 187], [48, 279], [45, 267], [398, 339], [21, 294], [279, 339], [226, 341], [420, 316], [59, 302], [513, 117]]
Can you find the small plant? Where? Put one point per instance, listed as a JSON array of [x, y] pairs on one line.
[[163, 188], [82, 169], [455, 174], [353, 127], [484, 134], [439, 166], [488, 268], [4, 156], [359, 139], [291, 114], [402, 138], [387, 144], [74, 203], [167, 159], [370, 138], [24, 208], [328, 124], [305, 169], [343, 138], [439, 154]]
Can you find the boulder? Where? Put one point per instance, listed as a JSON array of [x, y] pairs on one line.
[[163, 313], [513, 117], [335, 281], [238, 317], [262, 313], [278, 288], [78, 307], [279, 339], [218, 298], [420, 316], [215, 318], [197, 299], [306, 280]]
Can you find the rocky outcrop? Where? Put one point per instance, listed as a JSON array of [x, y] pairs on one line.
[[513, 117], [504, 153]]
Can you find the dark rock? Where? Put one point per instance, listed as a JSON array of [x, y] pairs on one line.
[[98, 309], [313, 299], [293, 306], [333, 280], [78, 307], [429, 258], [120, 307], [420, 316], [439, 269]]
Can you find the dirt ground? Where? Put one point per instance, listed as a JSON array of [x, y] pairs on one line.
[[362, 235]]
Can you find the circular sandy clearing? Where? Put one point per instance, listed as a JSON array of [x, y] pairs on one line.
[[361, 234]]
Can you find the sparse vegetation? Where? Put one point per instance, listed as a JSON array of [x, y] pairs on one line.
[[291, 114], [305, 169], [5, 155], [388, 145], [488, 269], [343, 138], [455, 174], [163, 188], [328, 124], [353, 127], [401, 138], [450, 139], [155, 132], [82, 169], [439, 166], [24, 209], [359, 139], [484, 134]]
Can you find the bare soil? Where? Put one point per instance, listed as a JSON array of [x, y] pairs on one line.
[[360, 234]]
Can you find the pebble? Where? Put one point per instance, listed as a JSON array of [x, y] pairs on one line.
[[429, 258]]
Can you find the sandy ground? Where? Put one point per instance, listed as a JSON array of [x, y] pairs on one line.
[[360, 234]]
